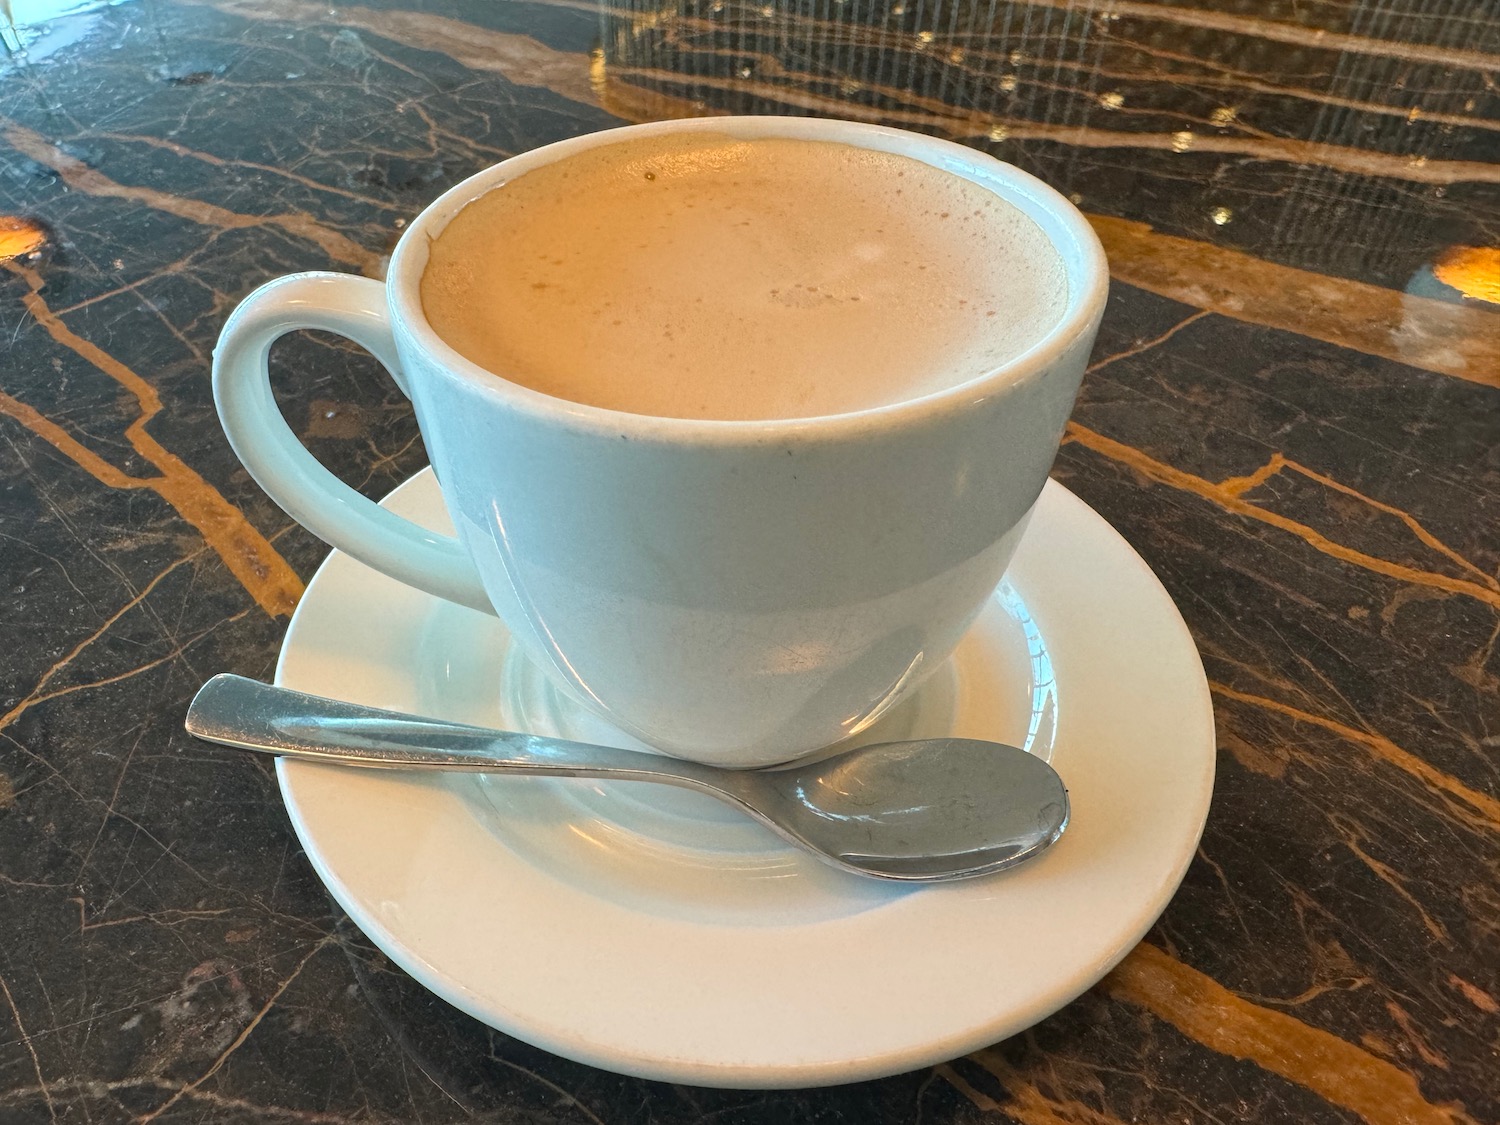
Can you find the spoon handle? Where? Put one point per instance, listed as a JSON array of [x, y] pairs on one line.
[[250, 715]]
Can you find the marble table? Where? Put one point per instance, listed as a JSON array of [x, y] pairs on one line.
[[1293, 415]]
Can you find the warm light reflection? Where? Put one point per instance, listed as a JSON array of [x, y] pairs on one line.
[[1473, 270], [597, 72], [19, 237], [859, 723]]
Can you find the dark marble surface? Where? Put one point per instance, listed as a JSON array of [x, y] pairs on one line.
[[1294, 415]]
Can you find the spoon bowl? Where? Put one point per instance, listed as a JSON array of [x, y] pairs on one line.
[[929, 810]]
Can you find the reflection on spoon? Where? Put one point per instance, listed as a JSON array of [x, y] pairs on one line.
[[930, 810]]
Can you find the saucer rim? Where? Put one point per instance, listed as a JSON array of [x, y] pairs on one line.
[[836, 1069]]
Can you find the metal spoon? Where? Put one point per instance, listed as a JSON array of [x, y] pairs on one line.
[[926, 811]]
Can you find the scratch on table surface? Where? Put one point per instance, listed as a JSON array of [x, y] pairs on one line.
[[244, 1034], [1147, 345], [36, 1063]]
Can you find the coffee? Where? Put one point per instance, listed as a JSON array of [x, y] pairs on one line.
[[696, 275], [734, 593]]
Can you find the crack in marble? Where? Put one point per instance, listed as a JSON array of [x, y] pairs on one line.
[[1475, 995], [32, 700], [245, 551], [436, 134], [77, 1089], [209, 158], [129, 865], [1472, 672], [104, 821], [980, 1100], [167, 918], [572, 1100], [53, 773], [1161, 473], [1414, 1037], [364, 1116], [189, 345], [81, 177], [1483, 810], [1238, 486], [1029, 1104], [36, 1062], [31, 885], [1229, 897], [157, 998], [1352, 837], [1146, 345], [1335, 1069], [176, 269], [1272, 754], [34, 696]]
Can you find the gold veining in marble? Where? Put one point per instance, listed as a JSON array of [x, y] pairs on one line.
[[1340, 1072], [1227, 495], [1439, 336], [247, 553], [1478, 810], [80, 177]]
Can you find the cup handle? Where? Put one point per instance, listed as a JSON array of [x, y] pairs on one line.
[[354, 307]]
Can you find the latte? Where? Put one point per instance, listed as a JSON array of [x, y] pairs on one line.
[[696, 275]]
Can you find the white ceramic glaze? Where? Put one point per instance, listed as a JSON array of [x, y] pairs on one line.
[[628, 929], [736, 592]]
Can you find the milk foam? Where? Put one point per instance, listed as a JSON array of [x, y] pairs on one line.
[[695, 275]]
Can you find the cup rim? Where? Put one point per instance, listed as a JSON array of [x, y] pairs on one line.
[[1071, 235]]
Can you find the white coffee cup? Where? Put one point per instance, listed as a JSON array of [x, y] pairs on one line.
[[738, 593]]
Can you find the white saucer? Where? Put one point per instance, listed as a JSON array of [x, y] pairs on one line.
[[647, 931]]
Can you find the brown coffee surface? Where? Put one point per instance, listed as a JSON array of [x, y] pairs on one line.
[[697, 275]]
